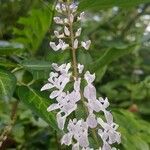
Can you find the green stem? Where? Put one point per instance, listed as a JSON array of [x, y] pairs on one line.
[[75, 71]]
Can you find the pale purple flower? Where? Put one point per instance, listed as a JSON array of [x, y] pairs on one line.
[[89, 77], [87, 148], [80, 68], [108, 132], [73, 7], [75, 45], [89, 90], [66, 100], [54, 46], [58, 35], [63, 45], [58, 81], [78, 33], [63, 6], [79, 131], [91, 120], [66, 31], [76, 146], [86, 44], [71, 18], [67, 140], [81, 17], [66, 21], [58, 8], [58, 20], [64, 68]]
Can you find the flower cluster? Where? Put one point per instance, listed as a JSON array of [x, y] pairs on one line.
[[70, 11], [67, 101]]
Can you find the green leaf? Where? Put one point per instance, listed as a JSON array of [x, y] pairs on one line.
[[39, 69], [8, 48], [7, 84], [7, 64], [91, 4], [133, 130], [35, 26], [38, 104], [109, 56]]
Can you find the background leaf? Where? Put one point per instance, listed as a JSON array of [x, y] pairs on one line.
[[38, 104], [40, 69], [9, 48], [34, 27], [7, 85], [89, 4], [111, 55]]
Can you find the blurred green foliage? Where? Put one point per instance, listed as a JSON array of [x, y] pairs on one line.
[[120, 57]]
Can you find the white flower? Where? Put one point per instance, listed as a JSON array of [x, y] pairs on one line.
[[73, 7], [63, 45], [75, 45], [66, 102], [78, 33], [58, 8], [89, 77], [109, 133], [67, 140], [64, 7], [71, 18], [76, 146], [79, 131], [66, 31], [106, 146], [59, 35], [61, 120], [58, 20], [81, 17], [89, 90], [91, 120], [54, 46], [58, 81], [86, 44], [64, 68], [66, 21], [87, 148], [80, 68]]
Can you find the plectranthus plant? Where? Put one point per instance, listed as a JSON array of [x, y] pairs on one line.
[[94, 129]]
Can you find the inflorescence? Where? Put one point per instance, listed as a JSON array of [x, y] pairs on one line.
[[67, 101]]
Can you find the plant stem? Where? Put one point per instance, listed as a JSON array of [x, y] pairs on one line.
[[7, 130], [75, 71], [72, 46]]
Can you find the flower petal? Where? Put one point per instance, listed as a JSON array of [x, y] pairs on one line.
[[47, 87], [75, 45], [67, 139], [75, 146], [61, 121], [53, 107], [91, 121], [54, 46], [80, 68], [54, 94], [66, 31], [78, 33]]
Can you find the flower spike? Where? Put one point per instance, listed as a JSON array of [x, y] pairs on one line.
[[73, 88]]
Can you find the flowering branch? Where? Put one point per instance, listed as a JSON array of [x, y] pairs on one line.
[[67, 101]]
